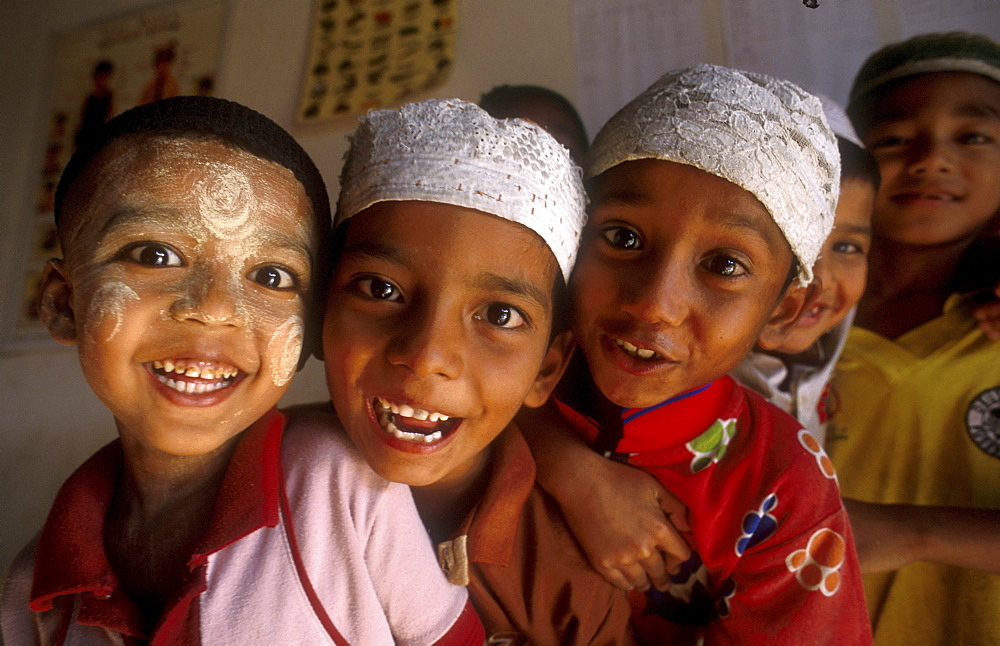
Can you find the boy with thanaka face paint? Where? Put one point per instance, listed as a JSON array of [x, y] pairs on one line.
[[712, 192], [194, 232], [456, 232]]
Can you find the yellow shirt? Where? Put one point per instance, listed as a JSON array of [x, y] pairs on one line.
[[917, 420]]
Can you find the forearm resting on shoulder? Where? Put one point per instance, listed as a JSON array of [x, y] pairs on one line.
[[890, 536], [626, 522]]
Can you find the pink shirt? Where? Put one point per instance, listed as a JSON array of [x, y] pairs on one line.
[[356, 567]]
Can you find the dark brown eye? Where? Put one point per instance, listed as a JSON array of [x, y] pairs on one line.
[[725, 266], [273, 278], [155, 255], [622, 238], [502, 315]]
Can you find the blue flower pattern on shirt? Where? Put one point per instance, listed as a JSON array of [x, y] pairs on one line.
[[758, 525]]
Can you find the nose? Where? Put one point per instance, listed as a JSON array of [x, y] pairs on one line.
[[211, 298], [429, 341], [657, 292], [930, 156]]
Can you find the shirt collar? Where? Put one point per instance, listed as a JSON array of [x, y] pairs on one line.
[[491, 527], [686, 415], [70, 556]]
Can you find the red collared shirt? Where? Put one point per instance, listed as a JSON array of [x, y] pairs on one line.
[[774, 558], [356, 567]]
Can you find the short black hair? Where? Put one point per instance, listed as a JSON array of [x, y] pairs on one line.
[[857, 163], [502, 101]]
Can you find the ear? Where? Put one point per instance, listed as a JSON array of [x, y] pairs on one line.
[[54, 307], [552, 369], [796, 300]]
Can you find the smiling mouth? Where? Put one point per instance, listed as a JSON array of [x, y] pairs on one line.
[[636, 352], [410, 424], [193, 377], [921, 196]]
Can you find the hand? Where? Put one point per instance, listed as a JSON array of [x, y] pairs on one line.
[[625, 521], [987, 316], [628, 524]]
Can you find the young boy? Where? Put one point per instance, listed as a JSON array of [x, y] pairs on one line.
[[456, 234], [193, 231], [794, 375], [713, 191], [918, 385]]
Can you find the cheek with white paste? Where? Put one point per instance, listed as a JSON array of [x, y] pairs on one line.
[[107, 310], [283, 350]]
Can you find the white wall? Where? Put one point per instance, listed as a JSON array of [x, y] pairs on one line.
[[49, 420]]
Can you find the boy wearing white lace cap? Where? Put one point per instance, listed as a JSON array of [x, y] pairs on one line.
[[456, 234], [712, 192]]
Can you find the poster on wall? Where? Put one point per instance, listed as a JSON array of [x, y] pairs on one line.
[[373, 53], [98, 72]]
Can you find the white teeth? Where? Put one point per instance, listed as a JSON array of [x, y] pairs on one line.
[[188, 386], [412, 437], [208, 372], [634, 351], [404, 410]]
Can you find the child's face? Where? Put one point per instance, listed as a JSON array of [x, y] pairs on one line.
[[678, 274], [936, 138], [842, 267], [185, 279], [436, 329]]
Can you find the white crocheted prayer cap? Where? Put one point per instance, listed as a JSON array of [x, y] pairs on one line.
[[839, 121], [451, 151], [765, 135]]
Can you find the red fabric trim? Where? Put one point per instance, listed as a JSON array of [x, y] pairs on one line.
[[70, 558], [300, 567], [248, 496], [467, 629]]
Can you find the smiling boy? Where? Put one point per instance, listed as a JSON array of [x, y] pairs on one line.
[[456, 234], [712, 192], [918, 384], [194, 236]]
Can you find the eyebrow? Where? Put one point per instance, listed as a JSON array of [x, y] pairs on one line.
[[127, 216], [372, 249], [854, 228], [490, 281], [741, 222], [977, 109], [487, 281], [624, 196]]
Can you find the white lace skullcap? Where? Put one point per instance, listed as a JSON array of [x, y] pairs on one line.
[[839, 121], [451, 151], [765, 135]]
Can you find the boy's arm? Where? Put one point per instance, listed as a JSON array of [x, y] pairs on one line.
[[891, 536], [626, 522]]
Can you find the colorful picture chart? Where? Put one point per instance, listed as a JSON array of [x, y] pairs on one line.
[[372, 53]]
